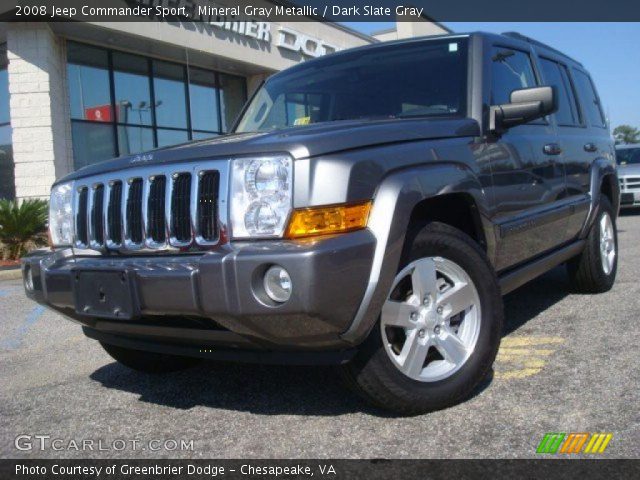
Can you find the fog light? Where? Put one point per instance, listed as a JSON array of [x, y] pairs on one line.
[[277, 284], [28, 278]]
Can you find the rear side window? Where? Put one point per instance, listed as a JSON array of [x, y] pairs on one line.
[[589, 99], [510, 70], [556, 75]]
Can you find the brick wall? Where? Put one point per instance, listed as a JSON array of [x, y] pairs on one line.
[[39, 108]]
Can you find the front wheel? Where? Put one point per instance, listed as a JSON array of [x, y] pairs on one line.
[[439, 329], [594, 270]]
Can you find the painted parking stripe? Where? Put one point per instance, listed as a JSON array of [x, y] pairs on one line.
[[5, 292], [15, 340], [521, 357]]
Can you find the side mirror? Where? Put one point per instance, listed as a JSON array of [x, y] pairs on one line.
[[525, 105]]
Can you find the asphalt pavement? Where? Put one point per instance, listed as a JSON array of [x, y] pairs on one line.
[[568, 363]]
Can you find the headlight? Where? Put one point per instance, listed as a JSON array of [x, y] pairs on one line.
[[61, 215], [261, 196]]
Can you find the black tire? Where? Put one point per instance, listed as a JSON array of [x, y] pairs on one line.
[[586, 272], [373, 375], [148, 362]]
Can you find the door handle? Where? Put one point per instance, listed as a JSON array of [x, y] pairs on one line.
[[590, 147], [552, 149]]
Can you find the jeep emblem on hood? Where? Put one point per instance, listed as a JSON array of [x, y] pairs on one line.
[[146, 157]]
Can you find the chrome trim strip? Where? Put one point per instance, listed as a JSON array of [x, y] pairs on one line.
[[193, 202], [92, 233], [106, 192], [146, 182], [173, 241], [150, 243], [130, 245], [109, 243], [76, 207], [199, 238]]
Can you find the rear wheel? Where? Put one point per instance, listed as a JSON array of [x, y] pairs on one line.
[[439, 329], [148, 362], [594, 270]]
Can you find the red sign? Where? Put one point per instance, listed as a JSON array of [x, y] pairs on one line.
[[101, 113]]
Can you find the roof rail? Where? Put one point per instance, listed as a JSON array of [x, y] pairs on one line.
[[538, 43]]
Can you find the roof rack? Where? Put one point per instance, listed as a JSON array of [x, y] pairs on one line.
[[538, 43]]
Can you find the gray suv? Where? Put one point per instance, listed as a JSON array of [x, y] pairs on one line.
[[369, 210]]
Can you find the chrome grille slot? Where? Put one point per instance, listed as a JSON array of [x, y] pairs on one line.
[[96, 225], [156, 222], [134, 227], [207, 214], [82, 236], [180, 219], [114, 215], [153, 208]]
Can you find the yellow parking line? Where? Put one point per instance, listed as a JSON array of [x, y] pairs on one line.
[[528, 362], [529, 341], [541, 352], [523, 358]]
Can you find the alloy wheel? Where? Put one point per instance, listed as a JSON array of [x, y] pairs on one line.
[[431, 320], [607, 243]]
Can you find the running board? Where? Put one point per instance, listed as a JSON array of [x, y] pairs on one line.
[[517, 277]]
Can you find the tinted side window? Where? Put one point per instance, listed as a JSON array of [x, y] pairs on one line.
[[510, 70], [572, 94], [554, 75], [588, 99]]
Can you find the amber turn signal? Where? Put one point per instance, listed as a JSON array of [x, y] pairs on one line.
[[309, 222]]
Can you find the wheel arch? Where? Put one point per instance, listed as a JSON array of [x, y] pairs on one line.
[[604, 181], [610, 188], [405, 196], [458, 210]]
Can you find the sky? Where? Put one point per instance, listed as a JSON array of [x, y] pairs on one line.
[[609, 51]]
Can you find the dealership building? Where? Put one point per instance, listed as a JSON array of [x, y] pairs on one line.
[[73, 93]]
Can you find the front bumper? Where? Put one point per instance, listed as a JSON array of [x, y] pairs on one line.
[[208, 301]]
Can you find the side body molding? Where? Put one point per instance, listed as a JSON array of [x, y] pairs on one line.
[[394, 202]]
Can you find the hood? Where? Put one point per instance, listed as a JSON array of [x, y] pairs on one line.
[[629, 169], [299, 142]]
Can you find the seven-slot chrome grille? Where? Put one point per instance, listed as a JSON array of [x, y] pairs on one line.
[[151, 208]]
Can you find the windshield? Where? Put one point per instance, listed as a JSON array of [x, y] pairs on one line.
[[425, 78], [625, 156]]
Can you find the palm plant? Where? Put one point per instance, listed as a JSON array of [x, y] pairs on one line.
[[22, 226]]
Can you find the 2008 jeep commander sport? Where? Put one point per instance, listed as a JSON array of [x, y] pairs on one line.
[[369, 209]]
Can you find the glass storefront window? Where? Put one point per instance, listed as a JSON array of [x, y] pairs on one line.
[[203, 95], [151, 103], [7, 174], [132, 89], [170, 95], [4, 94], [92, 142], [134, 139], [234, 94], [168, 137], [88, 78], [203, 135]]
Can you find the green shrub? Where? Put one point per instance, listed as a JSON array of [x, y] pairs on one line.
[[22, 226]]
